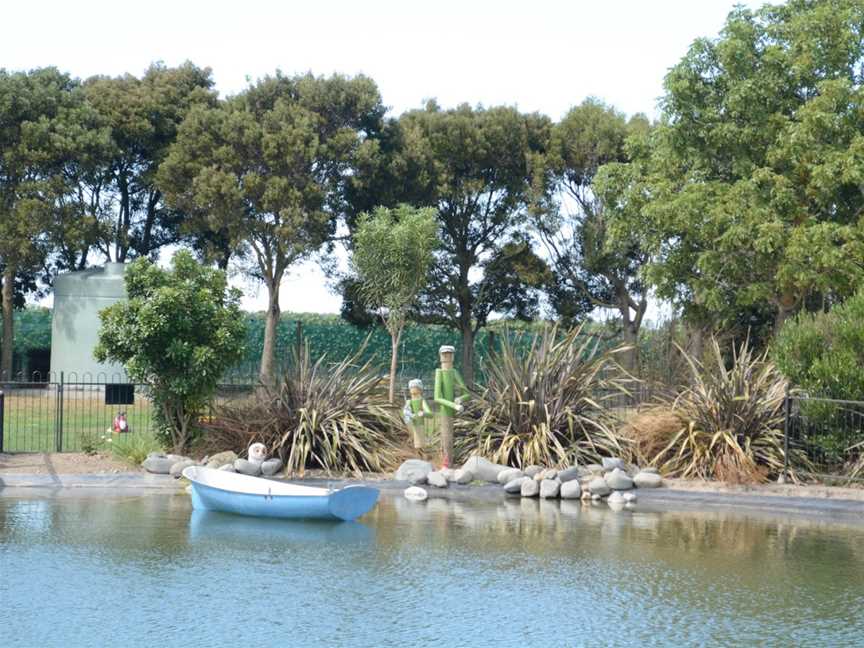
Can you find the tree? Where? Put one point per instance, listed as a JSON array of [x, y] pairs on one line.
[[756, 187], [591, 267], [265, 170], [118, 208], [393, 252], [179, 331], [474, 166], [33, 106]]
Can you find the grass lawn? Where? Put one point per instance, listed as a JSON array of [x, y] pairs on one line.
[[30, 418]]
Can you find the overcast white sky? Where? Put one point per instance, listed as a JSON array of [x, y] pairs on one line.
[[538, 55]]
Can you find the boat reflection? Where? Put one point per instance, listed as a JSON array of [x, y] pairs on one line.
[[213, 525]]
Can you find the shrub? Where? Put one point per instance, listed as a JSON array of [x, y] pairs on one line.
[[733, 419], [133, 448], [336, 417], [546, 405]]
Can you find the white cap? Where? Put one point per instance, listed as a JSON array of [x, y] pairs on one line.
[[415, 383], [447, 349]]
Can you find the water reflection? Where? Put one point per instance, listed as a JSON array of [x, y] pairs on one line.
[[479, 574]]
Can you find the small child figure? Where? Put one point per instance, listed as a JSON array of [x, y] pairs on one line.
[[416, 413], [120, 425]]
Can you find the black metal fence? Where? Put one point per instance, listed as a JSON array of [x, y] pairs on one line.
[[57, 414], [825, 438]]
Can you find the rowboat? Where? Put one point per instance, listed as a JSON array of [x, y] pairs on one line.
[[220, 490]]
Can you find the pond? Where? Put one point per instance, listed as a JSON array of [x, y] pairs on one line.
[[147, 571]]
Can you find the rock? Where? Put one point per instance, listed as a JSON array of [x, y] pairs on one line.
[[594, 469], [532, 470], [449, 474], [569, 474], [158, 465], [221, 458], [649, 469], [509, 474], [599, 487], [415, 494], [228, 468], [176, 457], [178, 467], [616, 501], [246, 467], [414, 471], [463, 476], [155, 455], [619, 480], [549, 488], [437, 479], [571, 489], [514, 487], [595, 497], [271, 467], [647, 480], [629, 497], [530, 487], [611, 463], [483, 469]]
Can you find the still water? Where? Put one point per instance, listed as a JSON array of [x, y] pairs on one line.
[[147, 571]]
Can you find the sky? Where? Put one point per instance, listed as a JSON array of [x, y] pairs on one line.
[[539, 55]]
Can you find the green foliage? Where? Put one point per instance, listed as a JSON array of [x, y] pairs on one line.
[[753, 180], [179, 331], [733, 420], [334, 416], [133, 448], [823, 353], [544, 405]]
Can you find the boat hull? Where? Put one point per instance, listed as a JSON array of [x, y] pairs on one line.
[[347, 503]]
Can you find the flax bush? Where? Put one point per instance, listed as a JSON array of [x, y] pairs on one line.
[[546, 405]]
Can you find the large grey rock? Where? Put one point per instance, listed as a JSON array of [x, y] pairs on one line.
[[246, 467], [483, 469], [178, 467], [619, 480], [221, 458], [569, 474], [645, 479], [449, 474], [271, 466], [611, 463], [530, 471], [514, 487], [158, 465], [571, 489], [549, 488], [436, 479], [598, 486], [530, 487], [509, 474], [414, 471], [155, 455], [228, 468], [594, 469], [463, 476], [616, 501], [630, 496]]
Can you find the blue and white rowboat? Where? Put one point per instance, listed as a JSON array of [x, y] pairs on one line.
[[219, 490]]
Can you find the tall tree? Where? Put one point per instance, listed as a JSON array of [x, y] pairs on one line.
[[118, 199], [393, 253], [265, 171], [756, 189], [474, 166], [591, 267], [33, 105]]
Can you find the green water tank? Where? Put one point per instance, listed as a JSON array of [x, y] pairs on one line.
[[78, 298]]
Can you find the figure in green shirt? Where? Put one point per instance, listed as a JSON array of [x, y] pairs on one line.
[[447, 383], [417, 414]]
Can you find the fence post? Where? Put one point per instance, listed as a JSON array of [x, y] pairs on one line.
[[2, 407], [786, 414], [58, 431]]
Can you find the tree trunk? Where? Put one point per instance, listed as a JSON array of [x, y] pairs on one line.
[[468, 354], [8, 322], [785, 310], [394, 354], [630, 357], [267, 372]]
